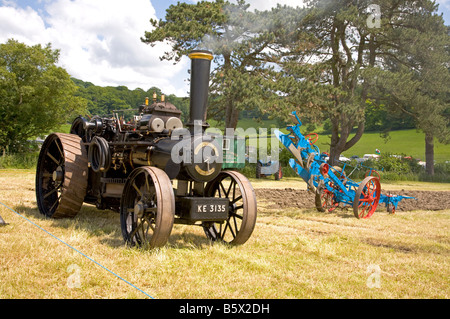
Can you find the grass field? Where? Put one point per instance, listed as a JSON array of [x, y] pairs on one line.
[[292, 254]]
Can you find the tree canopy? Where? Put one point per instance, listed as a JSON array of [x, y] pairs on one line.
[[103, 101], [349, 45], [242, 42], [36, 95], [339, 61]]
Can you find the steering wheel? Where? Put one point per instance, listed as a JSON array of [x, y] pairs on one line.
[[313, 137]]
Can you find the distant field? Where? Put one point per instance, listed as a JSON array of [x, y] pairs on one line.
[[408, 142]]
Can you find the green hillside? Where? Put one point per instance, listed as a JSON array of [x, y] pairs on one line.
[[407, 142]]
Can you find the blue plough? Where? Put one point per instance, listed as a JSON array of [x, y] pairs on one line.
[[330, 185]]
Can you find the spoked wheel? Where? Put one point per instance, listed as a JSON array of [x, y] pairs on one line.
[[325, 201], [61, 176], [313, 138], [77, 128], [372, 172], [147, 208], [367, 197], [237, 229]]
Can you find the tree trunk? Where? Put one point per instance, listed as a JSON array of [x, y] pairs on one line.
[[231, 113], [231, 116], [339, 135], [429, 153]]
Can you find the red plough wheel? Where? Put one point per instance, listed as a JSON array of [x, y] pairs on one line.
[[367, 198]]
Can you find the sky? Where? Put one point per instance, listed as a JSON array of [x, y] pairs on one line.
[[99, 40]]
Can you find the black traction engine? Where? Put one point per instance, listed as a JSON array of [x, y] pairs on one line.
[[151, 169]]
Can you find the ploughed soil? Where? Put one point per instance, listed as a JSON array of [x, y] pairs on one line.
[[289, 197]]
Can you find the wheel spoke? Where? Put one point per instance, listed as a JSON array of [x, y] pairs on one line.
[[147, 184], [227, 224], [223, 189], [59, 149], [54, 204], [231, 229], [132, 235], [53, 158], [51, 192], [229, 189], [236, 199], [236, 215], [234, 190], [137, 189], [151, 210], [235, 225]]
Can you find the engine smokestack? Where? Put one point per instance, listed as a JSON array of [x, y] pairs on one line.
[[200, 70]]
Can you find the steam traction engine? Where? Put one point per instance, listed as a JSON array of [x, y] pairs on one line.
[[149, 172]]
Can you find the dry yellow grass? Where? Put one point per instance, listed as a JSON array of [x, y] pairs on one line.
[[291, 254]]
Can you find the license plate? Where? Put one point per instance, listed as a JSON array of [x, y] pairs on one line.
[[211, 208], [203, 208]]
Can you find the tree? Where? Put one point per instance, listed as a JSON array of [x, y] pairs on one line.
[[330, 67], [346, 42], [241, 41], [415, 80], [36, 95]]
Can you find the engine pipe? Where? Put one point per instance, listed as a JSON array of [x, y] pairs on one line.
[[200, 70]]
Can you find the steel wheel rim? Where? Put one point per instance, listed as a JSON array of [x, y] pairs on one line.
[[50, 176], [147, 209], [241, 220], [61, 176]]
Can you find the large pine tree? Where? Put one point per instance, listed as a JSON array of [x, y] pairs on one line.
[[347, 42], [242, 42]]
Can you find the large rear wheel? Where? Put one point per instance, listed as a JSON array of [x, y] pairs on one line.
[[61, 176]]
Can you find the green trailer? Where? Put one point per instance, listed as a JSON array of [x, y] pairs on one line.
[[234, 154]]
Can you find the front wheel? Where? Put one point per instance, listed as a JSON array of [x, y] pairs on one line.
[[238, 227], [147, 208]]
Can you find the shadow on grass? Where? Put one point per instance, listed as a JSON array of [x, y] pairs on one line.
[[105, 226]]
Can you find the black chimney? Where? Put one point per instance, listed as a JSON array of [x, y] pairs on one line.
[[200, 69]]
